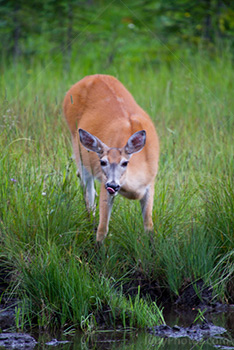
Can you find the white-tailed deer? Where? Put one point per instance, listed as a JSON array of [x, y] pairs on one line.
[[114, 141]]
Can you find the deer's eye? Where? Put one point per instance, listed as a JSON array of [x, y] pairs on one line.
[[124, 164], [103, 163]]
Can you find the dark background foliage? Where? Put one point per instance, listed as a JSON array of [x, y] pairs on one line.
[[141, 30]]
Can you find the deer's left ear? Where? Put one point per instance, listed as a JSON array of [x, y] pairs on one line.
[[136, 142], [91, 142]]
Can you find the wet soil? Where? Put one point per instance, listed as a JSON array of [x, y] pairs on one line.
[[17, 341], [7, 317], [194, 332], [193, 296]]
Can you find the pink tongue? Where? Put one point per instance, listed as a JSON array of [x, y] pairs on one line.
[[110, 190]]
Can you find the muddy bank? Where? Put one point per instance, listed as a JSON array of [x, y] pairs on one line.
[[192, 295], [194, 332], [7, 317], [17, 341]]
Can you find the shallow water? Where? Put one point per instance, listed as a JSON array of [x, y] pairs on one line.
[[143, 340]]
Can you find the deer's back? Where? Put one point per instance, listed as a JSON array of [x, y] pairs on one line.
[[101, 105]]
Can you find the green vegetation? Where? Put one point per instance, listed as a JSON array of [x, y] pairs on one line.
[[47, 236], [63, 291]]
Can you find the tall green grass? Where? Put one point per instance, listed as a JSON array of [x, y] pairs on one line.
[[59, 289], [47, 236]]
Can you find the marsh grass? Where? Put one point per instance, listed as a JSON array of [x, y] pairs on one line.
[[61, 290], [47, 236]]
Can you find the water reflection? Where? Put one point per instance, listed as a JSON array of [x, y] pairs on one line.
[[139, 340]]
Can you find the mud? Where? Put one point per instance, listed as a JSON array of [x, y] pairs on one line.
[[148, 287], [7, 317], [17, 341], [194, 332], [192, 296]]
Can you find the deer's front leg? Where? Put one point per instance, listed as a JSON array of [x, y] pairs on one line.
[[147, 207], [105, 206]]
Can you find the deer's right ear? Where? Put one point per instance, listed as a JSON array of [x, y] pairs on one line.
[[136, 142], [90, 142]]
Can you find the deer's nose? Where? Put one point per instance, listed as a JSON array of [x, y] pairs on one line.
[[112, 187]]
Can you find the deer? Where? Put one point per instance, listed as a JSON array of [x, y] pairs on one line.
[[114, 141]]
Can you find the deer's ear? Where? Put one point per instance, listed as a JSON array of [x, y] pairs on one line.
[[91, 142], [136, 142]]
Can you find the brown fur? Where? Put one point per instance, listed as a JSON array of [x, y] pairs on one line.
[[101, 105]]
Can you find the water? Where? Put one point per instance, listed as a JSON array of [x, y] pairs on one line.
[[143, 340]]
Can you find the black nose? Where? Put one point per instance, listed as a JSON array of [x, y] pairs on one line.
[[113, 186]]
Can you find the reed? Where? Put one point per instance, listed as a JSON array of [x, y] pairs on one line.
[[47, 236]]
